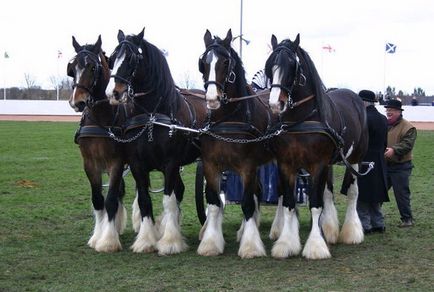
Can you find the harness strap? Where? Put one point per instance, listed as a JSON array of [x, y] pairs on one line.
[[95, 132], [236, 128]]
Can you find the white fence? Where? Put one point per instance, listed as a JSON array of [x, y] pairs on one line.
[[61, 107], [36, 107]]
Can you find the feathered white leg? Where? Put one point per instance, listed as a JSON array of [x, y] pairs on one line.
[[316, 247], [121, 218], [288, 243], [329, 218], [352, 230], [251, 245], [256, 216], [109, 241], [97, 230], [146, 238], [276, 227], [211, 235], [171, 241], [136, 217]]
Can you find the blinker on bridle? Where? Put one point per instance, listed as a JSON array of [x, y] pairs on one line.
[[94, 57], [230, 75], [136, 56], [299, 78]]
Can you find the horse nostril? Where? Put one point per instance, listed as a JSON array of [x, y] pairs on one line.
[[116, 94]]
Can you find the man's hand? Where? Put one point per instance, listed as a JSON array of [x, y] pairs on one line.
[[389, 152]]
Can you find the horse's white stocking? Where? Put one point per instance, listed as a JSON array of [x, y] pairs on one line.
[[276, 227], [121, 218], [211, 235], [146, 239], [316, 247], [329, 218], [136, 217], [256, 216], [171, 241], [109, 241], [352, 230], [288, 243], [251, 245], [97, 230]]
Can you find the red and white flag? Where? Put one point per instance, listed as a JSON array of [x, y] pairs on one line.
[[59, 54], [329, 48]]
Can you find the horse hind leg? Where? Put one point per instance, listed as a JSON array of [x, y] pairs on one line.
[[352, 230], [329, 218], [288, 243]]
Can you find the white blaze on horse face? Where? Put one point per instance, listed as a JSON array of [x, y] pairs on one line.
[[111, 85], [78, 73], [211, 91], [275, 91]]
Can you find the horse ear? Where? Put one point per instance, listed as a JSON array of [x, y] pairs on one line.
[[141, 34], [273, 41], [227, 41], [121, 36], [296, 42], [207, 38], [76, 45], [98, 43]]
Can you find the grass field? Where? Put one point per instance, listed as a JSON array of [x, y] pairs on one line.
[[46, 220]]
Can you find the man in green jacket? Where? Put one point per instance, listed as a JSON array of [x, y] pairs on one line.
[[401, 137]]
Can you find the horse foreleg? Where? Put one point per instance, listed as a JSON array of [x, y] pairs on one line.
[[211, 238], [251, 244], [315, 246], [329, 218], [147, 235], [288, 242], [115, 220], [352, 230], [94, 177], [171, 241]]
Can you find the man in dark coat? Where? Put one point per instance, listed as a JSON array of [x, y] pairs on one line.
[[373, 186]]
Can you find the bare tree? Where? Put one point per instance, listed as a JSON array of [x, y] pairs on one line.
[[187, 81], [30, 81]]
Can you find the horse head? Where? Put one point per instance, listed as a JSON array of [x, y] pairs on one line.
[[217, 65], [91, 73], [124, 62], [285, 72]]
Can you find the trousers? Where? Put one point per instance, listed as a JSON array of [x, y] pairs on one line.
[[398, 178], [370, 215]]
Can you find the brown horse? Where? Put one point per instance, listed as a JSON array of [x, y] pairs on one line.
[[234, 141], [319, 129], [100, 153], [141, 77]]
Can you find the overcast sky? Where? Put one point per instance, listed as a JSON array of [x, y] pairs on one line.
[[32, 33]]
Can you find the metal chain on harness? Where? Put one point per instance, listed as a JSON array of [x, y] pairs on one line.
[[129, 140], [240, 141]]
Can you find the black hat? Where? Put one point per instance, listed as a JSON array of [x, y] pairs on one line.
[[367, 95], [394, 103]]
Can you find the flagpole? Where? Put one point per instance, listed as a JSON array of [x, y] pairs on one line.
[[384, 75]]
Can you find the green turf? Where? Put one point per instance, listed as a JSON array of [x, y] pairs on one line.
[[46, 220]]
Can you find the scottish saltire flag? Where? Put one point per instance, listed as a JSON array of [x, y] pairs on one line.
[[390, 48]]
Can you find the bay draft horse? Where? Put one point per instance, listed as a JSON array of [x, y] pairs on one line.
[[234, 120], [318, 126], [141, 77], [100, 153]]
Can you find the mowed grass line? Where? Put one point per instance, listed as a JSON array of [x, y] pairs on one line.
[[46, 220]]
